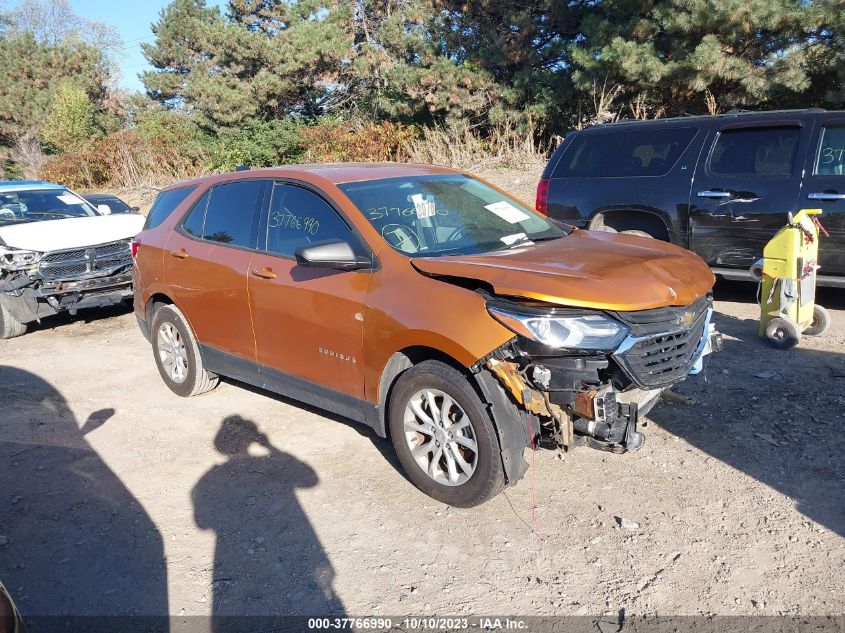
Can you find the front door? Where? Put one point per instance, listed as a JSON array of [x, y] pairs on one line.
[[206, 262], [308, 322], [824, 188], [741, 194]]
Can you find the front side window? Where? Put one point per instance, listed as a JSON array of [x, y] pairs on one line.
[[299, 217], [226, 213], [758, 151], [830, 160], [619, 153], [19, 207], [446, 215]]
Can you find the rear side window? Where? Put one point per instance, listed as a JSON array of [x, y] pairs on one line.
[[625, 153], [758, 151], [164, 205], [830, 160], [226, 213]]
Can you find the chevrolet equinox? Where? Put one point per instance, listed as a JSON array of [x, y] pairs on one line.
[[425, 303]]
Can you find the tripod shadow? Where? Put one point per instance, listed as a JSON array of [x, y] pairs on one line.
[[268, 560]]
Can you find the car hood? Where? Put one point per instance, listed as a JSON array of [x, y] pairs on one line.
[[54, 235], [586, 269]]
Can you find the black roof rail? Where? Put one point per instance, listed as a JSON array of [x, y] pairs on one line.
[[242, 168]]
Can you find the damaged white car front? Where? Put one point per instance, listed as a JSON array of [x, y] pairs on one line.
[[58, 253]]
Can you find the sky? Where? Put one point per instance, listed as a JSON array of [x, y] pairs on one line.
[[132, 20]]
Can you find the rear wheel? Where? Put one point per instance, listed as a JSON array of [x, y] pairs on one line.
[[10, 327], [177, 354], [782, 333], [444, 436], [637, 233], [821, 321]]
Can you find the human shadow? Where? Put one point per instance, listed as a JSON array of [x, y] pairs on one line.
[[268, 561], [78, 550], [774, 415]]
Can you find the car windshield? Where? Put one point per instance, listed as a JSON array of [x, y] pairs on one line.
[[115, 205], [17, 207], [452, 214]]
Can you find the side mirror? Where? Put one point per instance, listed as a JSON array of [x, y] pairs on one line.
[[331, 254], [104, 209], [136, 209]]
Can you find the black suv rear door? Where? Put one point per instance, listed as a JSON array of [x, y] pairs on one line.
[[824, 188], [749, 178]]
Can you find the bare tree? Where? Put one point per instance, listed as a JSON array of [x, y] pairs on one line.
[[28, 154], [53, 22]]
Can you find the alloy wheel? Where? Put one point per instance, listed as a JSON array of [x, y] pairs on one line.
[[172, 352], [440, 436]]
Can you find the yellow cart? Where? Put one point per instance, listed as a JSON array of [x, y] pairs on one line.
[[788, 284]]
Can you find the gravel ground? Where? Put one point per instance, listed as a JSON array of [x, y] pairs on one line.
[[117, 496]]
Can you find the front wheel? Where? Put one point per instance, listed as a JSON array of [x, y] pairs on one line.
[[10, 327], [444, 436], [177, 354], [782, 333]]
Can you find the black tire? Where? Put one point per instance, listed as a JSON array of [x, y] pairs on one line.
[[488, 478], [821, 321], [10, 327], [196, 379], [782, 333], [636, 232]]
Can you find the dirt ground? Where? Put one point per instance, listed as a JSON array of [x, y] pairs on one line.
[[116, 496]]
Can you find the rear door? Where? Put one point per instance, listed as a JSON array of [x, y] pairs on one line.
[[206, 262], [824, 188], [749, 180]]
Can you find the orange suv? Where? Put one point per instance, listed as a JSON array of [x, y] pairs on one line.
[[423, 302]]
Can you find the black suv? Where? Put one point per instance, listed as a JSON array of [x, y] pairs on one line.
[[720, 186]]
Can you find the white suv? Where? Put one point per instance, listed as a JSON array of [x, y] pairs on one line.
[[59, 253]]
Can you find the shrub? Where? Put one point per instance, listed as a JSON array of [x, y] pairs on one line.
[[259, 144], [122, 159], [335, 141]]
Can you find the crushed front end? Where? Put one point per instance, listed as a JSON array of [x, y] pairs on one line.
[[586, 376], [34, 284]]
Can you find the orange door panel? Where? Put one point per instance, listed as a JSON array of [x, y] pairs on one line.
[[208, 282], [308, 322]]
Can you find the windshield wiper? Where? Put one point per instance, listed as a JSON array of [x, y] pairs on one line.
[[524, 239]]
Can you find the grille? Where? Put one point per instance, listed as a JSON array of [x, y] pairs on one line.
[[661, 359], [79, 262]]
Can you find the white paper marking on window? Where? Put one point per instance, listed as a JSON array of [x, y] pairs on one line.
[[507, 212], [69, 198], [425, 208]]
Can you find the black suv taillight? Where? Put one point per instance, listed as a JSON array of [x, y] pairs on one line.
[[542, 202], [135, 246]]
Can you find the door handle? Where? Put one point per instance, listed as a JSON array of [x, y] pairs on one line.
[[264, 273], [826, 195], [180, 254], [714, 194]]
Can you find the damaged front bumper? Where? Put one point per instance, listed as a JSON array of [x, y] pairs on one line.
[[39, 299], [597, 398], [68, 280]]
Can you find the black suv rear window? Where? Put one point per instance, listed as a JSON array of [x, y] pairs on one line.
[[164, 205], [618, 153]]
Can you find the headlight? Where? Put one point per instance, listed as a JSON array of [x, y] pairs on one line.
[[588, 331], [14, 259]]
